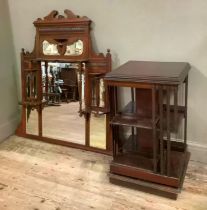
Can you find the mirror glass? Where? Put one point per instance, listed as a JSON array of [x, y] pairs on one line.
[[49, 49], [63, 117], [98, 118], [75, 49], [63, 91], [98, 92], [32, 121], [98, 130]]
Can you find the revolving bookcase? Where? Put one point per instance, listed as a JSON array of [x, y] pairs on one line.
[[149, 133]]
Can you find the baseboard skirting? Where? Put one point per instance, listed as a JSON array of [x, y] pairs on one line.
[[8, 128], [198, 152]]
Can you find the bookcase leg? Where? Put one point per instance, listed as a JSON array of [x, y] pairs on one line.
[[186, 101], [154, 129], [168, 131], [175, 108], [161, 129]]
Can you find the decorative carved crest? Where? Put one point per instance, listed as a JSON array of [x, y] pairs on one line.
[[54, 15], [70, 14]]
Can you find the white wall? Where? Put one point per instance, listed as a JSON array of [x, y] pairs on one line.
[[8, 88], [162, 30]]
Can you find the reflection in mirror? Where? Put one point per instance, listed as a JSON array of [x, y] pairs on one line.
[[63, 90], [49, 49], [32, 121], [31, 86], [98, 130], [98, 92], [75, 49]]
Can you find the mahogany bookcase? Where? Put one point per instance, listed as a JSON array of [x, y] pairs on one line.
[[149, 134]]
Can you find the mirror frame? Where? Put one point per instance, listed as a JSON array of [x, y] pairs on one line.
[[64, 29]]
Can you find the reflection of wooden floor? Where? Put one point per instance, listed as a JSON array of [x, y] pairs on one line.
[[37, 175], [64, 123], [98, 131]]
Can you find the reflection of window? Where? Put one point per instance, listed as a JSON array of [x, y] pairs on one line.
[[75, 49], [49, 49]]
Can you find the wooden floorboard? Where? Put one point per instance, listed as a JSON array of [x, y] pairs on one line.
[[41, 176]]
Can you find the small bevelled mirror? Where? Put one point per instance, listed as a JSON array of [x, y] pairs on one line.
[[98, 92], [49, 49], [75, 49]]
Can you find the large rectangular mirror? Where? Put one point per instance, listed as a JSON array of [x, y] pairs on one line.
[[63, 115], [63, 91]]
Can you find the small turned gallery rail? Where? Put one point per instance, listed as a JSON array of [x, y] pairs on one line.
[[149, 133]]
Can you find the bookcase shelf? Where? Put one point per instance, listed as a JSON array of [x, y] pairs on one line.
[[143, 148], [132, 121]]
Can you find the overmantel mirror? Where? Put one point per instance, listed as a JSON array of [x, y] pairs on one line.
[[63, 93]]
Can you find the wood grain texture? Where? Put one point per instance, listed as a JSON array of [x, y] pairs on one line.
[[150, 72], [37, 175]]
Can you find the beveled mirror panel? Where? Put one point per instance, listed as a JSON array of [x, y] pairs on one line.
[[61, 47], [49, 48], [63, 91], [75, 49], [98, 130], [98, 92], [32, 121], [31, 86]]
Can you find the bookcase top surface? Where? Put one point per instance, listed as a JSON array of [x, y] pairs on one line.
[[150, 72]]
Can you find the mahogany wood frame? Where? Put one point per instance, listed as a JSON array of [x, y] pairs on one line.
[[63, 30]]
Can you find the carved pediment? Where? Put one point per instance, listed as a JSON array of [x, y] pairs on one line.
[[55, 16], [66, 36]]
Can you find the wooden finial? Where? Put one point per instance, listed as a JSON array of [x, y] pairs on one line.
[[23, 52]]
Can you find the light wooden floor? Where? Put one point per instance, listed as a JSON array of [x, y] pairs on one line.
[[40, 176]]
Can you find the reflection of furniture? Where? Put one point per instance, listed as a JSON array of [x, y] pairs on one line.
[[150, 157], [98, 93], [51, 89], [52, 97], [70, 84]]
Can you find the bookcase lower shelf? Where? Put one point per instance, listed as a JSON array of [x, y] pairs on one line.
[[143, 181]]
